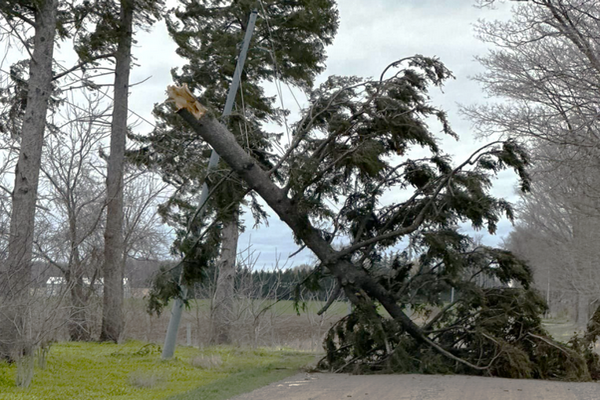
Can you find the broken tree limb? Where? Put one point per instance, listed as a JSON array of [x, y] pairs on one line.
[[334, 296], [352, 278]]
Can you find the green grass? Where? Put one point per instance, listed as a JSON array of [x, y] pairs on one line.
[[561, 330], [286, 307], [134, 371], [238, 383]]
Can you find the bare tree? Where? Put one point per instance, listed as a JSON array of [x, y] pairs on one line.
[[545, 71], [558, 226], [36, 26], [75, 196], [144, 235], [543, 65]]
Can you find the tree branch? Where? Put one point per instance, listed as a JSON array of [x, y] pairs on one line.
[[82, 64]]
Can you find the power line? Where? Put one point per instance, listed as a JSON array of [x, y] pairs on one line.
[[277, 72], [104, 93]]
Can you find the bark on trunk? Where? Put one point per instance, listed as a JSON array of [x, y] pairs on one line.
[[112, 313], [27, 171], [583, 273], [78, 324], [222, 305], [16, 277]]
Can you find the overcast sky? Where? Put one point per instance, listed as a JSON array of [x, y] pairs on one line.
[[372, 34]]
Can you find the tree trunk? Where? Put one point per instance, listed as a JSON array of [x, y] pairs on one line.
[[78, 324], [222, 306], [27, 171], [16, 279], [112, 312], [584, 248]]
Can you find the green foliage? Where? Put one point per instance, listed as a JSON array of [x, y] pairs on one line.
[[352, 146], [105, 16], [497, 328], [134, 371], [288, 44]]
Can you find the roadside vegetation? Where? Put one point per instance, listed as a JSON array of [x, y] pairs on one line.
[[134, 370]]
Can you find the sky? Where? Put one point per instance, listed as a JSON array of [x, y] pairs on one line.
[[375, 33], [372, 34]]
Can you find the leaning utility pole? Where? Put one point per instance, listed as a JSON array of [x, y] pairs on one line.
[[171, 337]]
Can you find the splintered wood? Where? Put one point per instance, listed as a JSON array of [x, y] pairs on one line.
[[183, 98]]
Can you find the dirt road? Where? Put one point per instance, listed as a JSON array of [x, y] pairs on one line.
[[419, 387]]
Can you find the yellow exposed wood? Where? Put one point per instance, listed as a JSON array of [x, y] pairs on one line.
[[183, 98]]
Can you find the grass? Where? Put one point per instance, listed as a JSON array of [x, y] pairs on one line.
[[238, 383], [561, 329], [286, 307], [132, 371]]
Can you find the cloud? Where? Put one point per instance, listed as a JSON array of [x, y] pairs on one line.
[[375, 33], [372, 34]]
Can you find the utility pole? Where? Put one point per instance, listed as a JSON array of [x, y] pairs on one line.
[[171, 337], [548, 296]]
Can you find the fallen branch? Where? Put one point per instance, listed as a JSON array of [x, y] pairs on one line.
[[332, 298]]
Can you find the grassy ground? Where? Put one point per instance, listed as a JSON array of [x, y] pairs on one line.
[[134, 371], [282, 307], [561, 329]]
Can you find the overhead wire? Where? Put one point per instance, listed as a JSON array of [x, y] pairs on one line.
[[105, 120], [276, 68]]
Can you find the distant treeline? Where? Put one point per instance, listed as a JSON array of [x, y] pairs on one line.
[[284, 284], [303, 281]]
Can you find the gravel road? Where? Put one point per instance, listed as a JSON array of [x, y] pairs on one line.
[[318, 386]]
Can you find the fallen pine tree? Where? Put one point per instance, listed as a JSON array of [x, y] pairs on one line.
[[351, 173]]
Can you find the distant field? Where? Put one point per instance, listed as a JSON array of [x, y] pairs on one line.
[[561, 330], [134, 371], [284, 307], [256, 322]]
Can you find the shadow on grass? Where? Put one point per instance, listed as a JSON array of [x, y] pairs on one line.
[[238, 383]]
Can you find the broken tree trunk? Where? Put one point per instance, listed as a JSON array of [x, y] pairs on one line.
[[355, 281]]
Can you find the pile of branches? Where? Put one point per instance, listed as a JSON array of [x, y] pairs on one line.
[[498, 330]]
